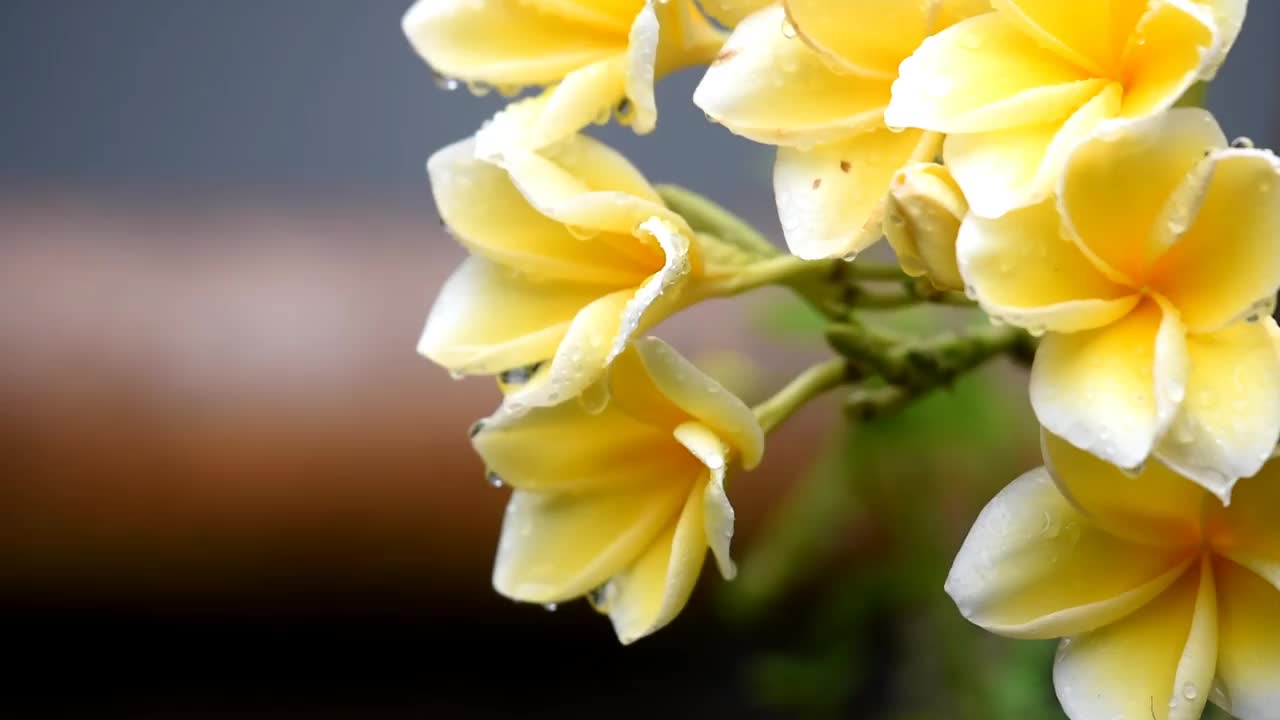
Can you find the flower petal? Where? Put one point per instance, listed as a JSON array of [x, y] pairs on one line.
[[1034, 567], [1158, 662], [985, 74], [1009, 169], [1021, 270], [1116, 186], [561, 110], [831, 197], [1113, 391], [614, 15], [488, 319], [1090, 33], [1247, 530], [869, 37], [1249, 642], [592, 452], [1227, 263], [1174, 46], [704, 399], [923, 216], [1229, 423], [555, 547], [1156, 507], [718, 514], [774, 89], [648, 595], [1229, 15], [504, 42], [483, 207]]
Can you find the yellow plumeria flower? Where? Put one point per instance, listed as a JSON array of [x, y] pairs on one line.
[[595, 54], [1015, 89], [1154, 273], [1166, 598], [621, 504], [814, 78], [923, 216], [573, 253]]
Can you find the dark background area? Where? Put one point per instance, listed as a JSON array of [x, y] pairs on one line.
[[229, 487]]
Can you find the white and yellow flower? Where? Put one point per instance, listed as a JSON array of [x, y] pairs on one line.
[[814, 78], [1016, 88], [1154, 273], [1166, 598], [621, 504], [573, 254], [596, 56]]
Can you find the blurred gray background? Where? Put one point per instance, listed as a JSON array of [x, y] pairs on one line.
[[320, 97]]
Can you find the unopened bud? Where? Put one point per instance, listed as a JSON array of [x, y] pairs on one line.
[[922, 219]]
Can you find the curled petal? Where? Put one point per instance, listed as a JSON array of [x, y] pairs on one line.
[[1117, 188], [650, 593], [831, 197], [1225, 267], [486, 211], [556, 547], [1248, 643], [703, 399], [1009, 169], [504, 42], [1157, 662], [1022, 270], [1113, 391], [1035, 567], [1229, 15], [1173, 46], [1155, 507], [1228, 425], [985, 74], [774, 89], [924, 212], [718, 514]]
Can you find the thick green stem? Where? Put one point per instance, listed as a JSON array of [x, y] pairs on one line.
[[807, 386], [706, 216]]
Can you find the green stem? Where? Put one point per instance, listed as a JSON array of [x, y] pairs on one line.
[[706, 216], [804, 388]]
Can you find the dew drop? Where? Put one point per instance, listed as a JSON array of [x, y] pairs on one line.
[[788, 29], [550, 607], [494, 479], [445, 83], [1189, 691]]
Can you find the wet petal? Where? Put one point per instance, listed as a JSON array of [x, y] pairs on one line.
[[1090, 33], [1174, 45], [704, 399], [484, 208], [1157, 662], [831, 197], [1034, 567], [1229, 15], [1229, 423], [1113, 391], [713, 453], [985, 74], [1021, 270], [1156, 507], [1226, 264], [614, 15], [648, 595], [1116, 186], [556, 547], [488, 319], [1249, 642], [923, 216], [870, 37], [557, 113], [504, 42], [1009, 169], [775, 89], [574, 449], [732, 12], [1248, 530]]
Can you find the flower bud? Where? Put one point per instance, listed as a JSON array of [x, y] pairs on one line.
[[922, 219]]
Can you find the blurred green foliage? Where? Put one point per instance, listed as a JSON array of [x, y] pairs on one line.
[[863, 543]]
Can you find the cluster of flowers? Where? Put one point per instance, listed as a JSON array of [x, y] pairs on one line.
[[1074, 200]]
